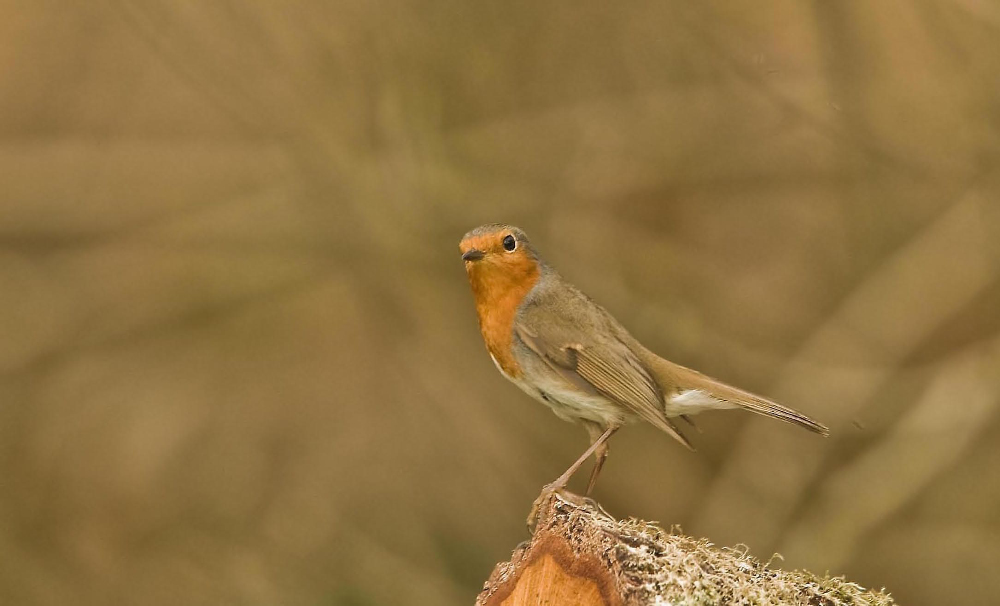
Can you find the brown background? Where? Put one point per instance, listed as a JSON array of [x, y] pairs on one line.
[[239, 361]]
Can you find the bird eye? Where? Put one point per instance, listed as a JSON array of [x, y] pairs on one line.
[[509, 243]]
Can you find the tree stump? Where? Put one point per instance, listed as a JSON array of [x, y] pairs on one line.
[[580, 555]]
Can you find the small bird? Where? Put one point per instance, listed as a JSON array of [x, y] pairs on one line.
[[568, 352]]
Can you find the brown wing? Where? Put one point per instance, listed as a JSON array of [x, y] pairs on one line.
[[609, 367]]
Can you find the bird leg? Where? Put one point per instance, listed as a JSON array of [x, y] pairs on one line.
[[549, 489], [600, 453]]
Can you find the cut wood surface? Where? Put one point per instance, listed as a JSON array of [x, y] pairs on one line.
[[581, 555]]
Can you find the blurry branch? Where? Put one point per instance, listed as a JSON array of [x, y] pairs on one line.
[[203, 315], [580, 555], [882, 322], [709, 24], [986, 13], [173, 35], [929, 439]]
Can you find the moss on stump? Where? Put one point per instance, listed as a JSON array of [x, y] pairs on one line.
[[581, 555]]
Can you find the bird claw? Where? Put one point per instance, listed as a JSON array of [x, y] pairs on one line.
[[548, 491]]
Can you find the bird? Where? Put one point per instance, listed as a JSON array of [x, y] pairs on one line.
[[568, 352]]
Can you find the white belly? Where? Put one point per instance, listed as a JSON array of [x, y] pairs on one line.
[[570, 404]]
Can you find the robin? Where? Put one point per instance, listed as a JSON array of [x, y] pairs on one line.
[[568, 352]]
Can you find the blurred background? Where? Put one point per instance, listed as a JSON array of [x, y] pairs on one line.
[[239, 361]]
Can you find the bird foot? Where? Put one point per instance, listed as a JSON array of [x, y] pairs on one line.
[[548, 491], [554, 490]]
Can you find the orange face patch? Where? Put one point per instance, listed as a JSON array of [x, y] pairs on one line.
[[500, 279]]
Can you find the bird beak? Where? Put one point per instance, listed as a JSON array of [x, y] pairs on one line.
[[473, 255]]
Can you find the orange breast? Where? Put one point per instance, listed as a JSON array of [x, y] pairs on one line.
[[499, 290]]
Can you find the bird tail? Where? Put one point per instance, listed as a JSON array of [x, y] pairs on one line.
[[761, 406], [693, 391]]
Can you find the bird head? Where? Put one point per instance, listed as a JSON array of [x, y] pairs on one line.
[[499, 257]]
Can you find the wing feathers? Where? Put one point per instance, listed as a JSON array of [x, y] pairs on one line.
[[612, 380], [617, 375], [630, 385]]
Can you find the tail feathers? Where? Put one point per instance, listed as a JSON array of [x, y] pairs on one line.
[[692, 387], [777, 411]]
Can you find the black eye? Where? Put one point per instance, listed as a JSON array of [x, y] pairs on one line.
[[509, 243]]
